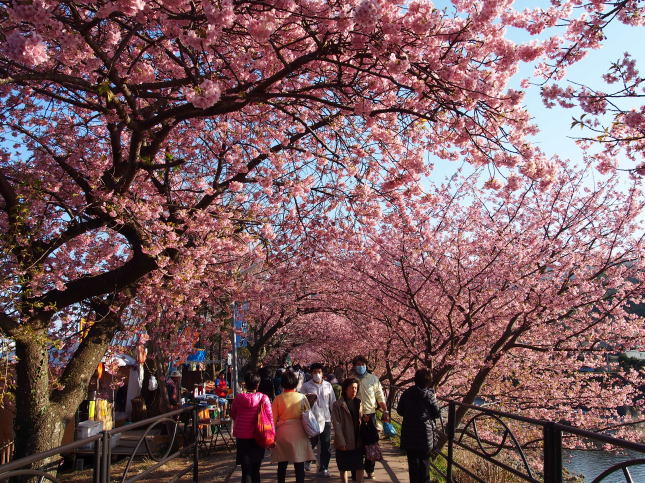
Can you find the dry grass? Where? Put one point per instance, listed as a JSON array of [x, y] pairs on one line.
[[487, 471]]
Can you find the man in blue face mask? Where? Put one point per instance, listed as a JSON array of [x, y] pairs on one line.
[[370, 392]]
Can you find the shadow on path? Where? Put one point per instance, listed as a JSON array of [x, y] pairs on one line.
[[393, 468]]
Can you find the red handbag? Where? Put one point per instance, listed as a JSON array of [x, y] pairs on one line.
[[264, 433]]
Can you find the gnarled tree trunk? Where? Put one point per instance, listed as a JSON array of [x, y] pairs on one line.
[[42, 414], [37, 425]]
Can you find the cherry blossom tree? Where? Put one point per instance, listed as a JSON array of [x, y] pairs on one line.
[[511, 297], [286, 298], [612, 119], [146, 143]]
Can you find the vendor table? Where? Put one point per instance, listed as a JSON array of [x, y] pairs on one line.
[[212, 430]]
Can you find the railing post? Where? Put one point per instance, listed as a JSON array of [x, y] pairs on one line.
[[552, 454], [97, 461], [450, 430], [105, 460], [196, 447]]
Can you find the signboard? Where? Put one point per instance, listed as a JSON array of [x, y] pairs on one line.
[[240, 326]]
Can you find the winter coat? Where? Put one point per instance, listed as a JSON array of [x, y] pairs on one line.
[[370, 391], [291, 441], [244, 412], [345, 428], [419, 409]]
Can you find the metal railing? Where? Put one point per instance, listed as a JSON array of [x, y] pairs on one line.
[[499, 437], [6, 452], [181, 427]]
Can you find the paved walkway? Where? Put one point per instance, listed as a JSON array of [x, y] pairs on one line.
[[393, 468]]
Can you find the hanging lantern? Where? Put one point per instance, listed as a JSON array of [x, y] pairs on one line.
[[99, 370]]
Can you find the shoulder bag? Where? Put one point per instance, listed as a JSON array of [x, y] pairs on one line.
[[309, 421], [264, 433]]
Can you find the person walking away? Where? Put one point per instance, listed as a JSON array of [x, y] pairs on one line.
[[300, 374], [277, 381], [335, 385], [266, 383], [325, 399], [291, 442], [418, 407], [370, 393], [244, 412], [346, 416]]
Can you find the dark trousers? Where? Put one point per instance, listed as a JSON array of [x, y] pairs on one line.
[[282, 471], [325, 446], [249, 457], [368, 465], [418, 466]]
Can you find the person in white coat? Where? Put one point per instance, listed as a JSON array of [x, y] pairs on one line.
[[325, 399]]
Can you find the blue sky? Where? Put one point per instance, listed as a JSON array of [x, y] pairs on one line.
[[555, 135]]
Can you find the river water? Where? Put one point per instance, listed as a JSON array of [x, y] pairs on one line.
[[591, 463]]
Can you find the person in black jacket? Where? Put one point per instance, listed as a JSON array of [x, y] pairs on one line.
[[418, 407], [266, 383]]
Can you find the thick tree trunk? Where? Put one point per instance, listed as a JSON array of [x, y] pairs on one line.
[[161, 402], [391, 398], [41, 414], [469, 398], [254, 359], [159, 367], [38, 426]]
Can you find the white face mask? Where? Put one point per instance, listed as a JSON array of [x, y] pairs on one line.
[[317, 378]]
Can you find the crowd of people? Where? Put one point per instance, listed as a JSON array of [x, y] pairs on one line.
[[345, 409]]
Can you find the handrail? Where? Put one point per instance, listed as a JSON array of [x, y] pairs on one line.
[[552, 443], [484, 409], [102, 450], [6, 452], [604, 438], [147, 421], [562, 427], [27, 460]]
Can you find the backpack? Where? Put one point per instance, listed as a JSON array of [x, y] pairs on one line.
[[264, 433]]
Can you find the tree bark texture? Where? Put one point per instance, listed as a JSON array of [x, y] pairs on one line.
[[37, 426], [42, 414]]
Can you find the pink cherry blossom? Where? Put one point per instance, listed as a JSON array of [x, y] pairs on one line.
[[30, 50], [205, 96]]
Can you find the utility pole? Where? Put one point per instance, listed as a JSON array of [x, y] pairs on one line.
[[240, 330], [234, 351]]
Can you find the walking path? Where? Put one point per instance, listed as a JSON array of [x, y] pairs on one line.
[[393, 468]]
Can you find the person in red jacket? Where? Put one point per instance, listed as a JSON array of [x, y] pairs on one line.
[[221, 389], [244, 412]]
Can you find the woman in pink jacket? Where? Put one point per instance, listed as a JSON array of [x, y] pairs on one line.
[[244, 413]]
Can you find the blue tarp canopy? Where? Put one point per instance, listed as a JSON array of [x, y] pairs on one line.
[[199, 356]]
